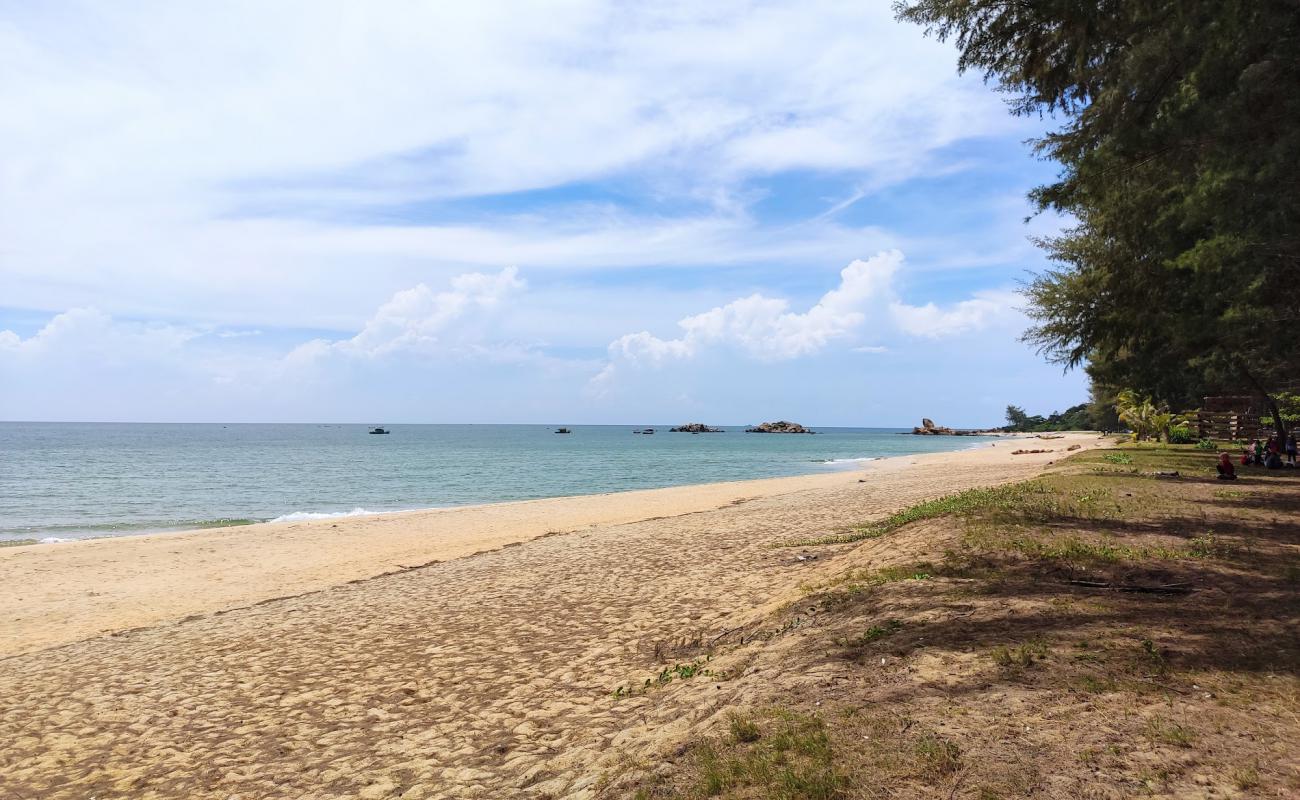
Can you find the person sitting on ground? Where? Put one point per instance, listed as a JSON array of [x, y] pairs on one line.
[[1272, 460], [1259, 452], [1246, 457], [1226, 471]]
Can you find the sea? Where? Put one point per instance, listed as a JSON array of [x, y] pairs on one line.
[[67, 481]]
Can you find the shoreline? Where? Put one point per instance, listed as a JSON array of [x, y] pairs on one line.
[[70, 591], [828, 467]]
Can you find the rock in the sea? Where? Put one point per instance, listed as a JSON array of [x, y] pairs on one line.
[[695, 427], [780, 426], [928, 428]]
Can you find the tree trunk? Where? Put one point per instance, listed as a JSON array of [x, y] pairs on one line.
[[1278, 425]]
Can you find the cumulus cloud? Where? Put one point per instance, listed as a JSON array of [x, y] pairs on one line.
[[931, 321], [89, 333], [764, 328], [417, 320]]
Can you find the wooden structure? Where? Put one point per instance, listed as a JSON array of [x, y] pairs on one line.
[[1231, 417]]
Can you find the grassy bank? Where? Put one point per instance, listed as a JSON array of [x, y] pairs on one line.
[[1106, 630]]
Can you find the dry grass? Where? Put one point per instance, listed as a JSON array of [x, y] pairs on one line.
[[1098, 632]]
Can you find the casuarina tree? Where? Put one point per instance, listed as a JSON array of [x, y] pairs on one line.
[[1179, 150]]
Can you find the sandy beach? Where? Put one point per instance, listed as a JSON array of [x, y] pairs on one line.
[[465, 652]]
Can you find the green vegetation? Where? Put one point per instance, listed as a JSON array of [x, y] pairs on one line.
[[1022, 656], [1178, 154], [938, 756], [743, 729], [872, 634], [1080, 615], [667, 676], [1171, 733], [1144, 418], [1074, 418], [790, 760], [963, 503]]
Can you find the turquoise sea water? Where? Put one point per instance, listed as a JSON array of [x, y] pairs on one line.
[[78, 480]]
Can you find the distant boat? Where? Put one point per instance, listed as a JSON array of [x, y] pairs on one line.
[[647, 430], [380, 430], [563, 430]]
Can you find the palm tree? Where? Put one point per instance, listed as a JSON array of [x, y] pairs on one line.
[[1142, 415]]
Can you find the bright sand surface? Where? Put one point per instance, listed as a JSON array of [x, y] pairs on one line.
[[264, 662]]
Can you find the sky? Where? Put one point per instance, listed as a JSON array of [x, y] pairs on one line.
[[560, 212]]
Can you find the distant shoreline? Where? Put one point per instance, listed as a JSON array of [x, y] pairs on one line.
[[169, 478], [144, 580]]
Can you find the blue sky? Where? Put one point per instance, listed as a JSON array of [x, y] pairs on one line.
[[564, 212]]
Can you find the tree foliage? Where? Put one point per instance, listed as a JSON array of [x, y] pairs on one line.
[[1179, 148], [1074, 418]]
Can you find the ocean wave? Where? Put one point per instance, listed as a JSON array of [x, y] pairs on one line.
[[303, 516], [55, 540]]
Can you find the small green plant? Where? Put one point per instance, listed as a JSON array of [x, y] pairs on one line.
[[1245, 778], [666, 676], [792, 761], [1096, 685], [1208, 546], [744, 729], [1023, 656], [1180, 434], [938, 756], [1206, 444], [1171, 733], [857, 580], [1152, 655], [1118, 458], [872, 634]]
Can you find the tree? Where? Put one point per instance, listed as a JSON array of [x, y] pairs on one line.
[[1179, 148], [1142, 416], [1074, 418], [1016, 418]]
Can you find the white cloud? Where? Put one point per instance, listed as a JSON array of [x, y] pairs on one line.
[[91, 334], [765, 328], [933, 322], [417, 320], [164, 159]]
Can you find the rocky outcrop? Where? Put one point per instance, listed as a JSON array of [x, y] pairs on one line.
[[780, 426], [695, 427], [928, 428]]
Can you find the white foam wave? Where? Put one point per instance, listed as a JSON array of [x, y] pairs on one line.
[[55, 540], [302, 516]]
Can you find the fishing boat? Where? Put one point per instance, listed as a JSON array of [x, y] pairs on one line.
[[563, 430], [379, 430]]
